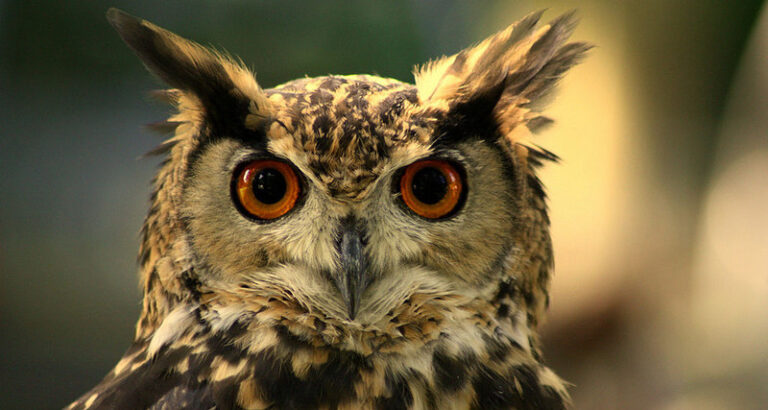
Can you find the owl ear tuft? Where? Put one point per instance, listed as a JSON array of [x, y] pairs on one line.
[[227, 91], [499, 81]]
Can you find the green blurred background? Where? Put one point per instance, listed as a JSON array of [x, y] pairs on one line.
[[659, 208]]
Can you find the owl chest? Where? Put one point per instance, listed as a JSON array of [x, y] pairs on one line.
[[204, 369], [431, 376], [345, 381]]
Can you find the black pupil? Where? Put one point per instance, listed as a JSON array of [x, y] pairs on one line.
[[269, 186], [429, 185]]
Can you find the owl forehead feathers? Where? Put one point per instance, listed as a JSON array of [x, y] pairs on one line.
[[344, 129]]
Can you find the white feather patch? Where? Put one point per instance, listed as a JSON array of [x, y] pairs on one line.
[[226, 317], [179, 320], [519, 333]]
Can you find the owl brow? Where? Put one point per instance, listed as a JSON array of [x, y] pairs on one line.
[[446, 152], [282, 124], [255, 139]]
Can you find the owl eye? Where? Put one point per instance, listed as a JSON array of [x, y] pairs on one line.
[[266, 189], [432, 188]]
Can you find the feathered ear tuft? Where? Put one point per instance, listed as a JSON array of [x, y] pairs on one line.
[[497, 82], [227, 91]]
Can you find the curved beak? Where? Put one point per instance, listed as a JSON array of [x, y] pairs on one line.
[[352, 278]]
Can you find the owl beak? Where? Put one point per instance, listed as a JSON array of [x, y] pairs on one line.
[[352, 278]]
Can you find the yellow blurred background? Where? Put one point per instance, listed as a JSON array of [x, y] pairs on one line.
[[659, 207]]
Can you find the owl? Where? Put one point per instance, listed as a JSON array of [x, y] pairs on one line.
[[346, 242]]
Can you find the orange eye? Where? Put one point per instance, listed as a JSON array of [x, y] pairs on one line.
[[432, 188], [266, 189]]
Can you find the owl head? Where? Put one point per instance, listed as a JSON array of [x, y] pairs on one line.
[[354, 211]]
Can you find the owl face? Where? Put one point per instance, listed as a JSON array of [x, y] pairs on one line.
[[356, 201], [379, 207], [346, 241]]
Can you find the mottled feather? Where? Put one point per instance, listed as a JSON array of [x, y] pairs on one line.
[[244, 314]]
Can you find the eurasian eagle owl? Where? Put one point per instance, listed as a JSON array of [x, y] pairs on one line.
[[346, 241]]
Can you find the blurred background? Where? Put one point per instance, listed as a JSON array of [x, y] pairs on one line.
[[659, 207]]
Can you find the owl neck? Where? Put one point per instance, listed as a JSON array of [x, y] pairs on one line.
[[167, 281], [464, 357]]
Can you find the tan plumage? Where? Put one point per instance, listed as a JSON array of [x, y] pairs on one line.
[[251, 313]]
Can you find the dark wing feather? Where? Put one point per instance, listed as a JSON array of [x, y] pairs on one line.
[[151, 385]]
